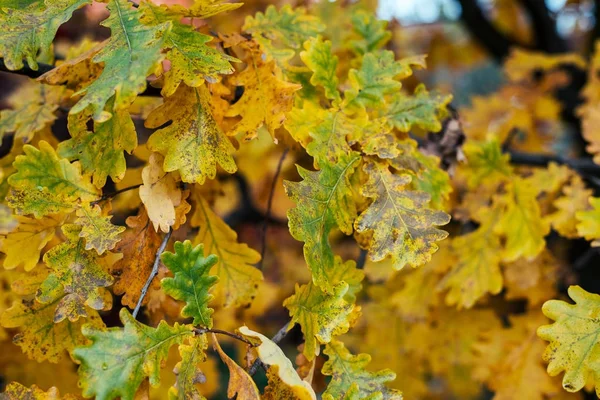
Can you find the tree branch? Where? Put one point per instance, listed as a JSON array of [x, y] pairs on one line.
[[153, 273], [582, 165], [200, 331], [113, 194], [496, 43], [544, 27], [265, 224]]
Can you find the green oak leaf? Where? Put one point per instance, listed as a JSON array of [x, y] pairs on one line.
[[318, 57], [31, 29], [100, 152], [119, 359], [191, 281], [46, 184], [192, 61], [132, 52], [324, 200]]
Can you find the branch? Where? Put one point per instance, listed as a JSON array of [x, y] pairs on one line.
[[544, 27], [265, 224], [276, 339], [113, 194], [482, 30], [201, 331], [153, 272], [582, 165]]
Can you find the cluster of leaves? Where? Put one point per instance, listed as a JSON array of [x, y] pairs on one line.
[[349, 110]]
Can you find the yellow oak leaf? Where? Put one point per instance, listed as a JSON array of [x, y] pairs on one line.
[[573, 346], [240, 383], [16, 391], [521, 221], [24, 244], [320, 315], [534, 280], [238, 278], [138, 245], [486, 164], [46, 184], [588, 224], [97, 230], [33, 106], [522, 64], [77, 70], [266, 99], [40, 337], [193, 144], [348, 373], [510, 360], [188, 371], [589, 111], [160, 194], [284, 382], [78, 278], [571, 205], [477, 269], [401, 224]]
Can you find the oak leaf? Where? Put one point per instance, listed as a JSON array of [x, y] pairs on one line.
[[97, 230], [266, 98], [119, 359], [191, 281], [139, 246], [238, 278], [78, 278], [573, 346], [31, 28], [40, 337], [349, 374], [192, 61], [318, 57], [46, 184], [193, 144], [132, 52], [324, 200], [100, 152], [33, 109], [320, 315], [401, 224], [16, 391], [284, 381], [477, 269], [521, 222], [160, 194], [187, 370], [24, 244], [368, 32], [240, 383], [588, 224]]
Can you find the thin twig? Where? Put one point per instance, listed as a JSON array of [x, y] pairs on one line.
[[265, 224], [113, 194], [276, 339], [583, 165], [200, 331], [153, 273]]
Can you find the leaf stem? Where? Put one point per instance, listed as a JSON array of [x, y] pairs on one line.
[[153, 273], [265, 224], [200, 331]]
